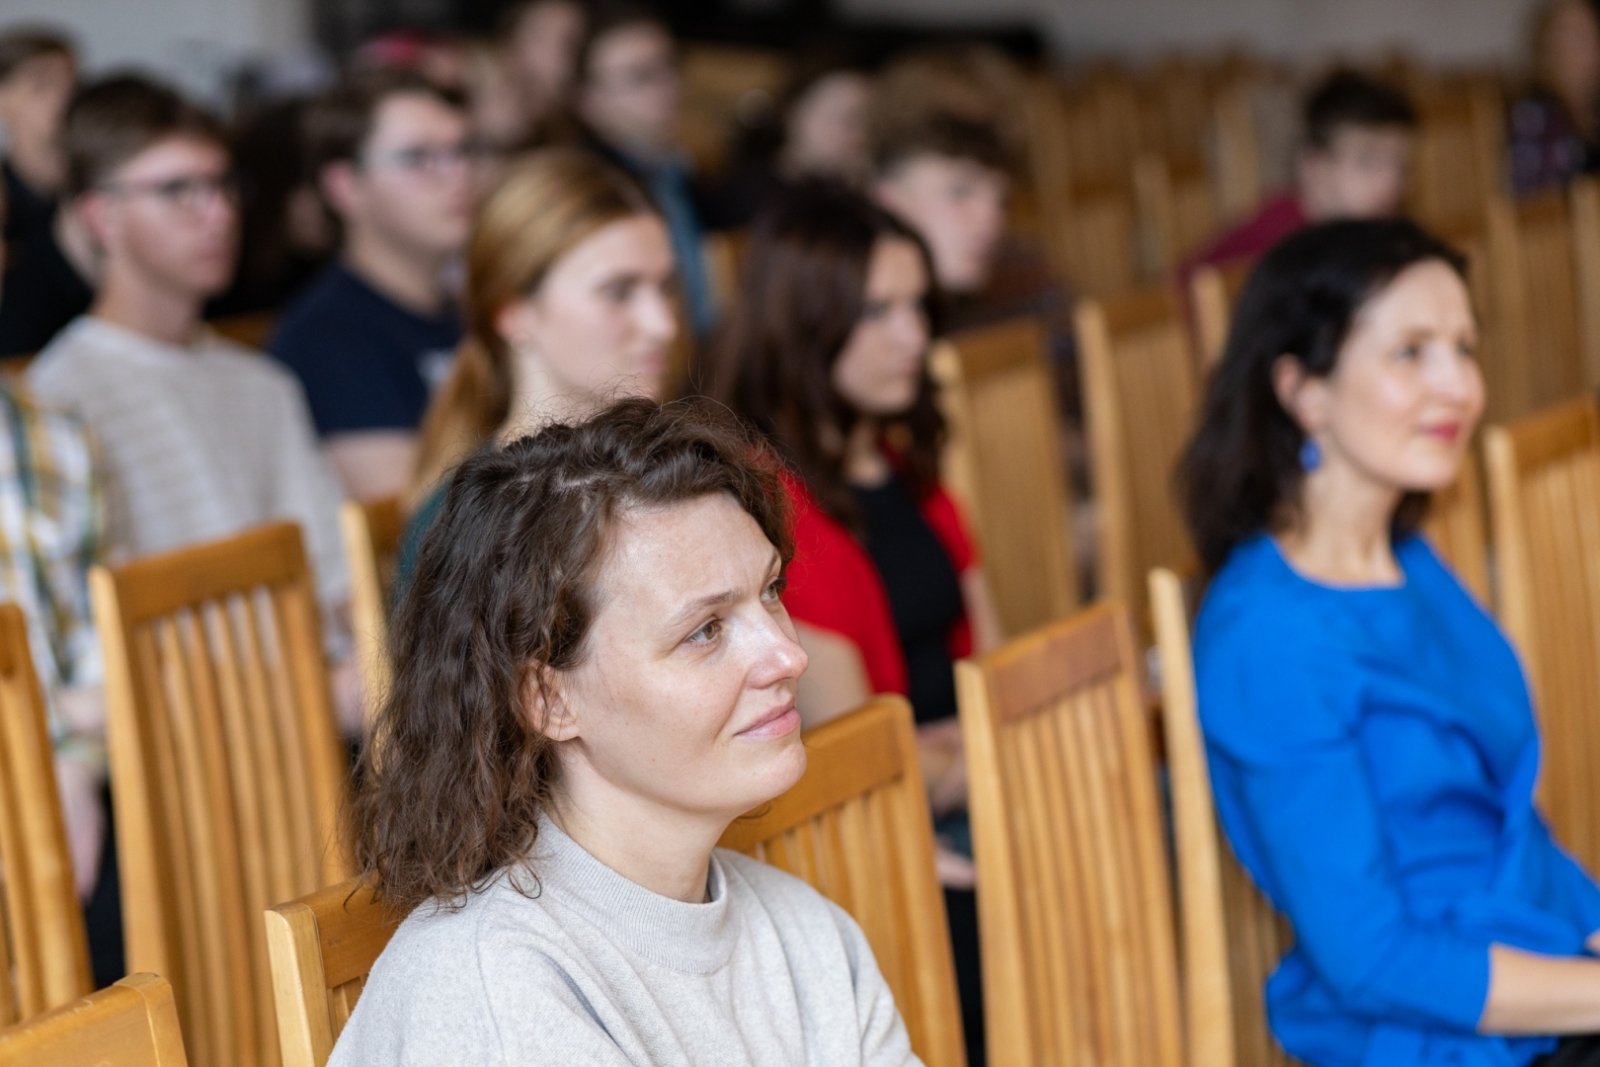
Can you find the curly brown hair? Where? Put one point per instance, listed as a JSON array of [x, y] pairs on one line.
[[456, 772]]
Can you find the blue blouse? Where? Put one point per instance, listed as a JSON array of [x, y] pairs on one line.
[[1373, 754]]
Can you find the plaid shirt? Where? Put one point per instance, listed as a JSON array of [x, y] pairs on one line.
[[52, 530]]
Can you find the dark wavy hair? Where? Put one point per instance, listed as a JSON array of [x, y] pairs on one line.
[[802, 292], [456, 772], [1241, 471]]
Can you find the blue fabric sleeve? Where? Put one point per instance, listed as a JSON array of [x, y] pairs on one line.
[[1281, 715]]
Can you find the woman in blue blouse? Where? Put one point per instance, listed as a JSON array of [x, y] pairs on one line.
[[1373, 750]]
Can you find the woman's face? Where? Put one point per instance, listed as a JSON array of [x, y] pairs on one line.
[[1406, 392], [828, 127], [880, 368], [1572, 49], [601, 324], [685, 696]]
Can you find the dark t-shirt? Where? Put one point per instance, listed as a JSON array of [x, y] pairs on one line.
[[924, 593], [366, 362], [42, 291]]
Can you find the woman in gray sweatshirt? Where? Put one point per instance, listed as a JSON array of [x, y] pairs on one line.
[[594, 676]]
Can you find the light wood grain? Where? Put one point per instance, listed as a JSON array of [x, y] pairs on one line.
[[226, 768], [1213, 291], [1232, 938], [133, 1023], [857, 827], [44, 956], [1003, 462], [1458, 159], [1177, 210], [1544, 492], [1074, 902], [372, 531]]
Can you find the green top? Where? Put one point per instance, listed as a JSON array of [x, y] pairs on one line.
[[411, 540]]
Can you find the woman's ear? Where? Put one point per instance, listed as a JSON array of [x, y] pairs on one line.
[[1303, 396], [518, 324], [543, 703]]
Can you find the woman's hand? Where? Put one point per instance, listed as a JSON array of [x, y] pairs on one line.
[[79, 785], [1534, 994], [944, 765]]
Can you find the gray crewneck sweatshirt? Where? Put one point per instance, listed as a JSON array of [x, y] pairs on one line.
[[596, 969]]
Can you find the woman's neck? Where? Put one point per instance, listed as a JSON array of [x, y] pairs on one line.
[[864, 463], [1341, 534], [667, 852], [539, 398]]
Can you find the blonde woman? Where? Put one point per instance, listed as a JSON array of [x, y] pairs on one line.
[[570, 304]]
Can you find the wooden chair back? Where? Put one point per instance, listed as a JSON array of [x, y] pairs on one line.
[[1213, 291], [323, 947], [1238, 151], [1140, 401], [1003, 462], [372, 532], [133, 1023], [857, 827], [1232, 937], [1458, 162], [1177, 211], [1536, 358], [1075, 909], [1583, 200], [44, 956], [226, 769], [1544, 492], [1458, 530]]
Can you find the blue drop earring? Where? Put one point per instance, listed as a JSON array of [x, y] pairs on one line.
[[1310, 456]]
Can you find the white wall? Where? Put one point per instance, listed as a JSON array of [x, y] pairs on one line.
[[1441, 30], [192, 42]]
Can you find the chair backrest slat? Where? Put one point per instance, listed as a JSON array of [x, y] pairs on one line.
[[857, 828], [1003, 461], [227, 770], [44, 956], [372, 532], [1140, 402], [133, 1023], [1232, 937], [1544, 489], [1213, 290], [1079, 946]]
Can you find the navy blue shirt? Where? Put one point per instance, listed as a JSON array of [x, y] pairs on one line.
[[366, 362], [1373, 754]]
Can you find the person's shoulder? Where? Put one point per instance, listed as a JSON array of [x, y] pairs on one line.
[[81, 346], [788, 900], [1257, 607]]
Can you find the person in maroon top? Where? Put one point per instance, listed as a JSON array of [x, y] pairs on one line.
[[1352, 165], [826, 352]]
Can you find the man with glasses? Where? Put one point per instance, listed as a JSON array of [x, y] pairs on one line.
[[373, 335], [201, 438], [628, 98]]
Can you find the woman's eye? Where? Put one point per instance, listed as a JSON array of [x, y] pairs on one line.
[[707, 633], [1410, 353], [875, 310], [774, 591], [617, 292], [1467, 350]]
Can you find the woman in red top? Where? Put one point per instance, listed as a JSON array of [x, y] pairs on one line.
[[826, 351]]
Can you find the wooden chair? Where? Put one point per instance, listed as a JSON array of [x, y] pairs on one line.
[[857, 828], [1583, 200], [1456, 527], [1177, 211], [133, 1023], [1003, 462], [44, 955], [1232, 937], [252, 331], [1544, 492], [372, 533], [1238, 150], [1213, 290], [226, 769], [1074, 911], [1459, 163], [1537, 355], [322, 948], [1140, 403]]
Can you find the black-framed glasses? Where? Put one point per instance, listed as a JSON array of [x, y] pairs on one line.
[[186, 192], [431, 160]]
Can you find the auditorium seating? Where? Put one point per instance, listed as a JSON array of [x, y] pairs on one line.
[[226, 769], [857, 827], [372, 533], [1003, 461], [133, 1023], [44, 960]]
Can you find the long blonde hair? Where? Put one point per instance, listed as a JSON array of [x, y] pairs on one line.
[[547, 204]]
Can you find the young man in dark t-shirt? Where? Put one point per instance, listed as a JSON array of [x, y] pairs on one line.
[[374, 333]]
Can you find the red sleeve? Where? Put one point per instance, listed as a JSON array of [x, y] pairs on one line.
[[949, 524], [833, 586]]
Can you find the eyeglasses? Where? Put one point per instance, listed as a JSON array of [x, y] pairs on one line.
[[431, 160], [190, 192]]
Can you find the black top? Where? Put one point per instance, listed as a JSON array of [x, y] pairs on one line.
[[41, 291], [924, 593], [366, 362]]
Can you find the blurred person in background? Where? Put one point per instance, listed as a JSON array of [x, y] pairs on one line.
[[570, 303], [1554, 132], [541, 40], [818, 131], [50, 273], [373, 335], [1358, 134], [826, 353], [628, 97]]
